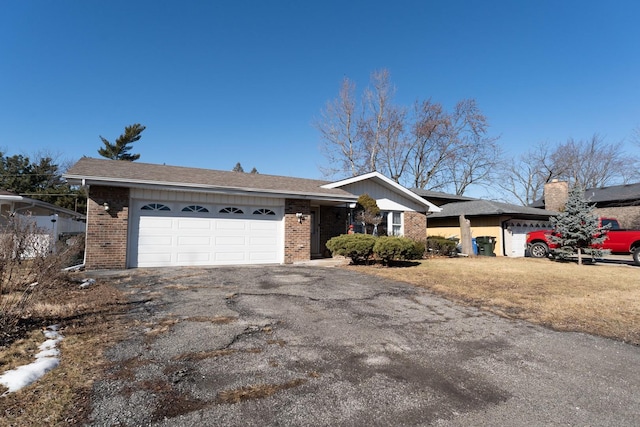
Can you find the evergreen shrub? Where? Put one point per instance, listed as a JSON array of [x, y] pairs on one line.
[[441, 246], [358, 247], [392, 248]]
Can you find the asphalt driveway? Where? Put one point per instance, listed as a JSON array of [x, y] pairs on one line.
[[323, 346]]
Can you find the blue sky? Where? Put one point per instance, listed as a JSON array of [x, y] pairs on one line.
[[220, 82]]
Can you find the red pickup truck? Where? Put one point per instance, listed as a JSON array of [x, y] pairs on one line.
[[618, 241]]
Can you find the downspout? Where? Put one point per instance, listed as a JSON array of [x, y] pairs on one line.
[[86, 226]]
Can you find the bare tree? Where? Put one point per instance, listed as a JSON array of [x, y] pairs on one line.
[[589, 163], [524, 177], [382, 123], [452, 149], [382, 128], [430, 143], [593, 163], [476, 154], [429, 148], [338, 129]]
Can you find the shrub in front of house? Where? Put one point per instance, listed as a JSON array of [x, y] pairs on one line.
[[358, 247], [441, 246], [392, 248]]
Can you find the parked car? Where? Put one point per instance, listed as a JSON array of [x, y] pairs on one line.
[[618, 241]]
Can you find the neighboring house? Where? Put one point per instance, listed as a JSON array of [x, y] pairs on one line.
[[618, 201], [146, 215], [507, 224], [439, 199], [52, 222]]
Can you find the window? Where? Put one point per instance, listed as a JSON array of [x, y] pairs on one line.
[[231, 210], [396, 223], [194, 208], [613, 224], [155, 207], [263, 211]]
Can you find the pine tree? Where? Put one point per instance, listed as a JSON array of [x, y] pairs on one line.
[[120, 150], [577, 229], [238, 168], [39, 179]]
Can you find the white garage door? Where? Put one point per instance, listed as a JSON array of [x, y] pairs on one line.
[[187, 234], [518, 242]]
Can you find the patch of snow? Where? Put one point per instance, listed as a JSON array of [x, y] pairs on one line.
[[46, 360], [87, 282]]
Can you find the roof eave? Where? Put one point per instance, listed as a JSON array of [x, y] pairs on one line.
[[12, 198], [41, 204], [155, 185], [389, 184]]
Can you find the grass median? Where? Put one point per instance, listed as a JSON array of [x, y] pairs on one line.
[[597, 299]]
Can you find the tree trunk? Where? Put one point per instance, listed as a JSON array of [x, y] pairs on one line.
[[579, 256], [465, 236]]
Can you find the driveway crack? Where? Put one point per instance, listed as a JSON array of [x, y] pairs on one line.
[[367, 298]]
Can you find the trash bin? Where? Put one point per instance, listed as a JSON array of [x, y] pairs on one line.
[[486, 245], [474, 245]]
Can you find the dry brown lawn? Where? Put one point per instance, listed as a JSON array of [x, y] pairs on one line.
[[597, 299], [90, 320]]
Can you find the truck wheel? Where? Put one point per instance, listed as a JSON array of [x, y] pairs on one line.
[[539, 250], [636, 256]]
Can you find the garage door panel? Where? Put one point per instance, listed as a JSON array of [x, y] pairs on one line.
[[155, 251], [183, 240], [230, 225], [150, 259], [230, 256], [157, 223], [266, 241], [194, 241], [193, 257], [263, 256], [230, 241], [151, 240], [194, 224], [268, 226]]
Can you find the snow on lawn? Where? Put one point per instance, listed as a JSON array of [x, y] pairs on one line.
[[46, 360]]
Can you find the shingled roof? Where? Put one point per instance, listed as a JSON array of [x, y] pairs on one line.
[[439, 198], [622, 194], [133, 174], [614, 193], [488, 207]]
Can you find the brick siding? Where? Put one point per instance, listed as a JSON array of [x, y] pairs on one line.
[[106, 246], [415, 225], [556, 194], [297, 236]]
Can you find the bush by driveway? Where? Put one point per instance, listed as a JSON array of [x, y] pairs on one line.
[[313, 346]]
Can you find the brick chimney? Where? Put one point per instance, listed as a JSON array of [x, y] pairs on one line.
[[556, 194]]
